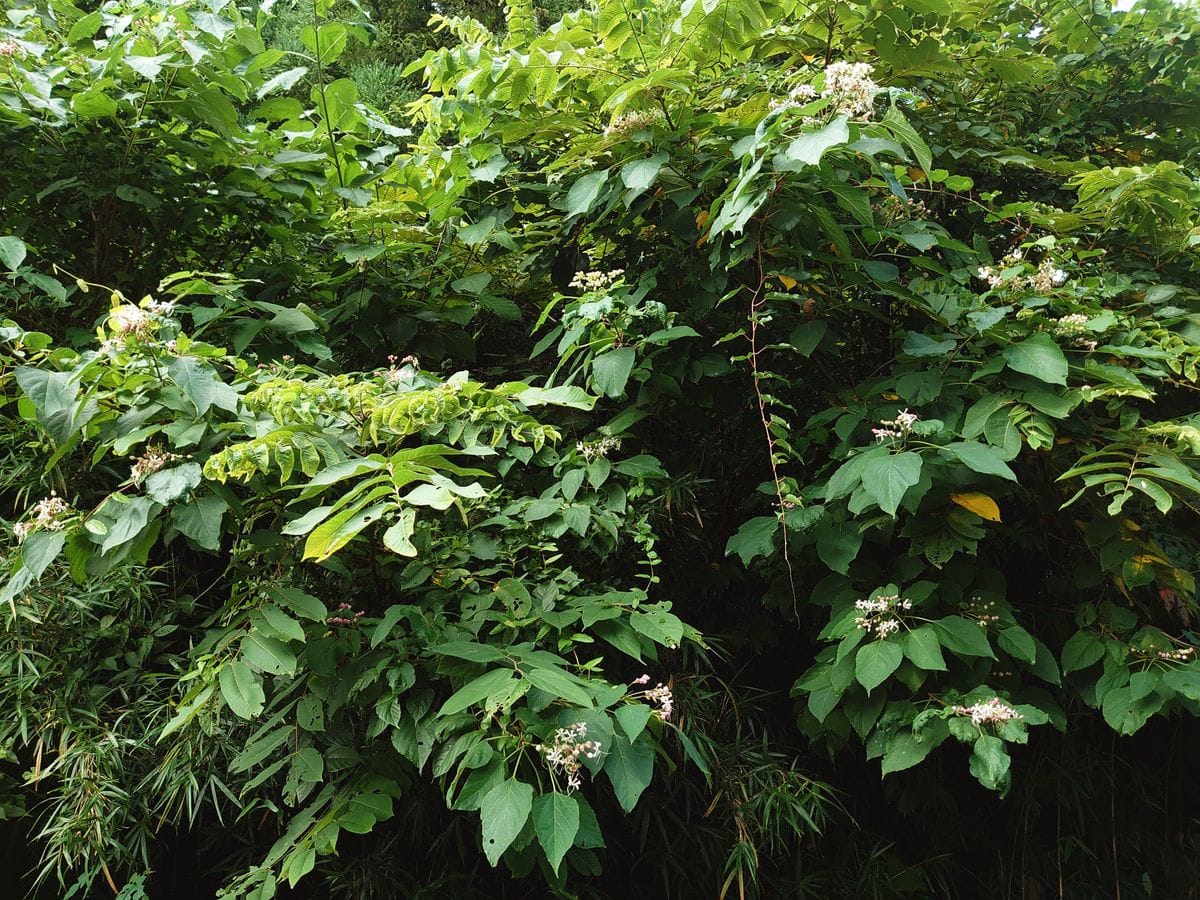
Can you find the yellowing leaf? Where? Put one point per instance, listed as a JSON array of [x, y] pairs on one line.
[[787, 281], [980, 504]]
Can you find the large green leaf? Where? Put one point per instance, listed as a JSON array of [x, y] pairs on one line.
[[629, 768], [982, 458], [610, 371], [886, 478], [1038, 355], [808, 149], [555, 822], [504, 812], [242, 689], [875, 662]]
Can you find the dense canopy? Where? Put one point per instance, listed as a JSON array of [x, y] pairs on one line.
[[729, 448]]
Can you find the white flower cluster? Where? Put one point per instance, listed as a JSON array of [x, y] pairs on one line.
[[9, 49], [1047, 277], [595, 281], [1072, 325], [881, 615], [570, 745], [895, 209], [597, 449], [401, 371], [47, 515], [630, 123], [797, 96], [153, 460], [660, 695], [137, 322], [899, 427], [989, 712], [851, 87]]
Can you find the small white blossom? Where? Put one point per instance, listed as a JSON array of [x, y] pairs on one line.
[[591, 450], [9, 49], [851, 87], [990, 712], [630, 123], [569, 747], [897, 428], [595, 281], [881, 614], [47, 516], [153, 460]]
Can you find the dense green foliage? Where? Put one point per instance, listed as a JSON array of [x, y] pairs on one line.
[[691, 414]]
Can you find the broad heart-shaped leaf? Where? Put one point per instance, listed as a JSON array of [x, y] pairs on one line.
[[808, 149], [12, 252], [1038, 355], [989, 762], [584, 192], [242, 689], [886, 478], [905, 749], [610, 371], [504, 811], [555, 822], [629, 767], [982, 458], [963, 636], [1080, 651], [171, 484], [640, 174], [200, 519], [201, 385], [876, 662], [921, 645], [755, 538], [131, 518]]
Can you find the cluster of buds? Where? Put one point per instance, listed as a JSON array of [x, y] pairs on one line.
[[1075, 326], [660, 695], [344, 618], [894, 209], [595, 281], [48, 515], [797, 96], [1047, 277], [401, 370], [569, 748], [881, 615], [982, 612], [988, 712], [851, 87], [628, 124], [591, 450], [9, 49], [1183, 654], [136, 322], [150, 462], [897, 428]]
